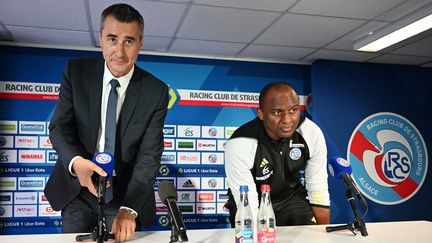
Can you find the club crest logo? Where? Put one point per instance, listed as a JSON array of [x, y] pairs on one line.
[[389, 158], [295, 153], [103, 158]]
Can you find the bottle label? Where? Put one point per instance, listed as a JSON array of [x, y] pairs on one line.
[[244, 236], [267, 235]]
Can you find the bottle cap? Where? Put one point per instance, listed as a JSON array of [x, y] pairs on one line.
[[244, 188], [265, 187]]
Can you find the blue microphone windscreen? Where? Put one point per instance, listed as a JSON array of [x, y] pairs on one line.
[[105, 161], [338, 165]]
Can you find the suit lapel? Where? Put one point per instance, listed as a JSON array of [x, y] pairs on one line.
[[95, 82], [131, 99]]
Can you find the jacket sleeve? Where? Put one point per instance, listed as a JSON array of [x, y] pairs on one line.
[[140, 188], [63, 128]]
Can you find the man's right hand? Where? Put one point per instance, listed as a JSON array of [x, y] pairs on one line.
[[84, 170]]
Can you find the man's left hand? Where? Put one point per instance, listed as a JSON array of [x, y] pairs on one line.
[[123, 226]]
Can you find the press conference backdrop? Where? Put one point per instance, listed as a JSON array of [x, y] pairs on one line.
[[209, 99]]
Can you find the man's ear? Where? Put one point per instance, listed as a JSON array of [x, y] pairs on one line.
[[260, 114]]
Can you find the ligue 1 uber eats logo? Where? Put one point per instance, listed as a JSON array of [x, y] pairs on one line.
[[389, 158]]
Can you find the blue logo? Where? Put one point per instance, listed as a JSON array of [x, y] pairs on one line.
[[2, 141], [5, 198], [4, 157], [31, 183], [389, 157], [223, 196], [52, 156], [168, 157], [169, 131], [103, 158], [189, 132], [32, 127]]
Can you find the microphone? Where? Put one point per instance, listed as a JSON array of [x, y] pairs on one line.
[[341, 168], [106, 161], [168, 195]]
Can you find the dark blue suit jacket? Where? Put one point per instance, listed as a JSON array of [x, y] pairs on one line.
[[139, 144]]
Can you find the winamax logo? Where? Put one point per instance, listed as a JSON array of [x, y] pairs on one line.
[[389, 158], [31, 156]]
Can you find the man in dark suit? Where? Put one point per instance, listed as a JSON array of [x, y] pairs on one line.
[[78, 130]]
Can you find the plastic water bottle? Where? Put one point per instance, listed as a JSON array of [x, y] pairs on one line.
[[266, 217], [244, 228]]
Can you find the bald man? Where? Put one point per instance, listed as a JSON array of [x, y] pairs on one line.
[[285, 150]]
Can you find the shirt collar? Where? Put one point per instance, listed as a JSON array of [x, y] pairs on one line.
[[123, 80]]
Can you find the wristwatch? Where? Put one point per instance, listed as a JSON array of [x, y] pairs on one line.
[[131, 212]]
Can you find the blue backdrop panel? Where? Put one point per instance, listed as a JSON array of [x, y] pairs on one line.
[[379, 104]]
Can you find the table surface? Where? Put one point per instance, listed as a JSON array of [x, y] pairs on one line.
[[387, 232]]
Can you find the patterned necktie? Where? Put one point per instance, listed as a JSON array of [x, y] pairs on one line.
[[110, 130]]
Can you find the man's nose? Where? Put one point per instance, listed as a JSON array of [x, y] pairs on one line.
[[286, 117], [119, 49]]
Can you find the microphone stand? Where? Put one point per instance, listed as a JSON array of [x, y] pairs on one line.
[[174, 234], [357, 224], [100, 234], [177, 235]]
